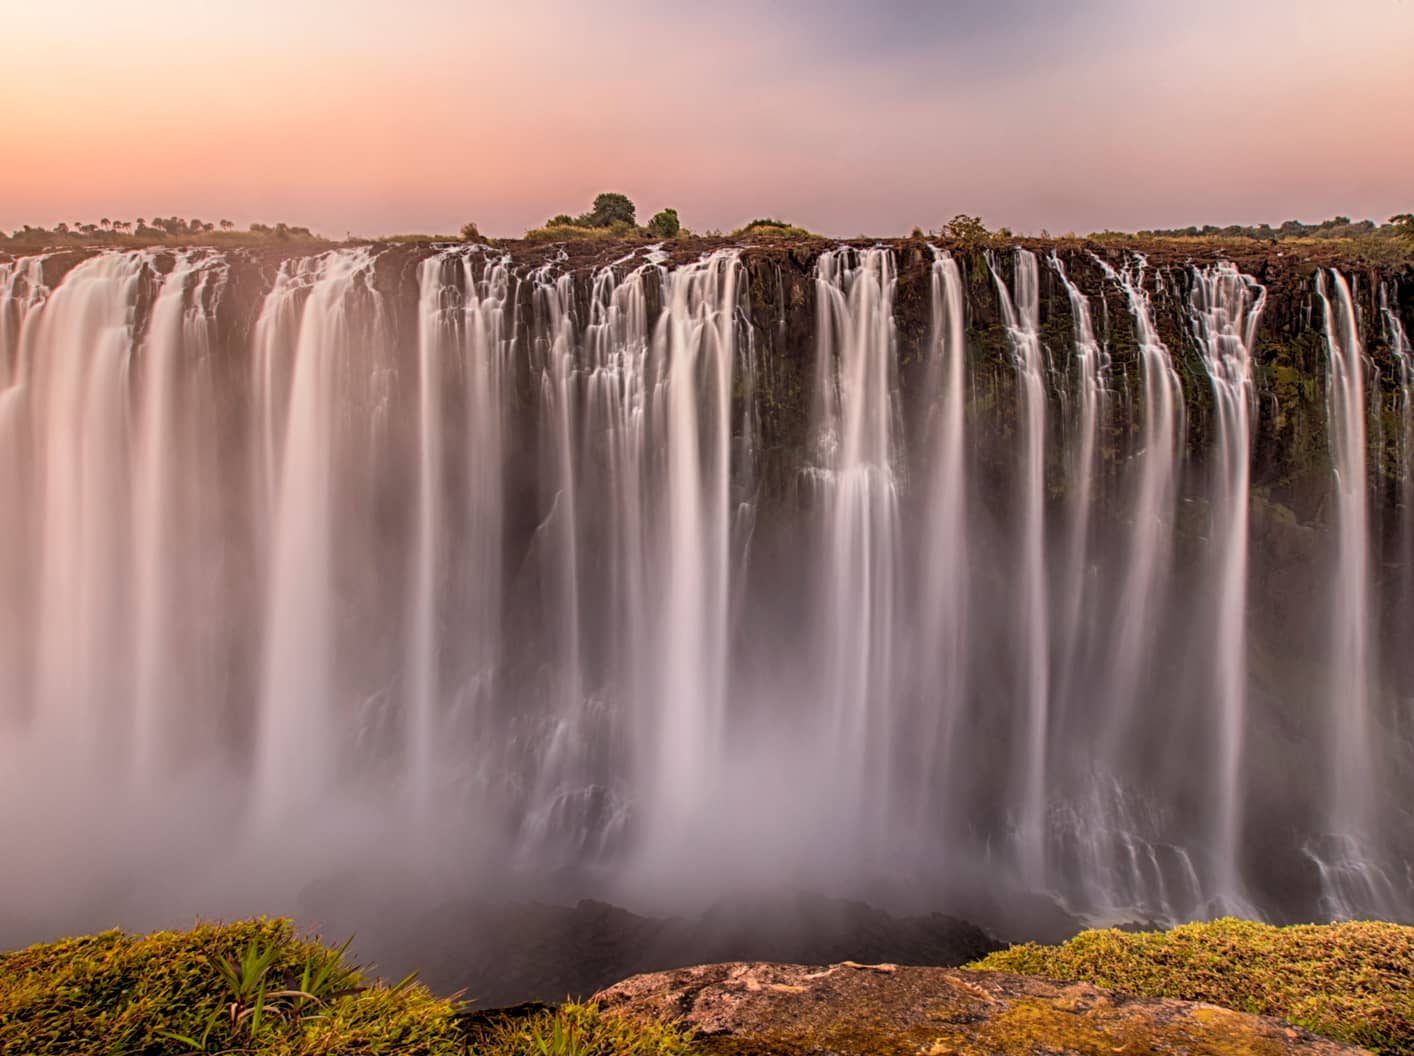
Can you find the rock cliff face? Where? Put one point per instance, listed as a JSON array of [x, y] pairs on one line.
[[855, 1009]]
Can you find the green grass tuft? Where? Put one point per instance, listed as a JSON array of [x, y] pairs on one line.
[[577, 1030], [256, 988], [253, 987], [1353, 982]]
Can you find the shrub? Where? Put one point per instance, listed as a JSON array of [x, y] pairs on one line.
[[561, 220], [664, 224], [1353, 982], [771, 229]]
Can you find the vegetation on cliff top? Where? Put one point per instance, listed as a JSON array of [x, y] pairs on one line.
[[613, 215], [160, 230], [257, 989], [1353, 982]]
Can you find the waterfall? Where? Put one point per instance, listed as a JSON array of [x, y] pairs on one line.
[[86, 330], [1354, 882], [942, 586], [657, 579], [1114, 835], [856, 411], [22, 291], [1076, 592], [1226, 308], [456, 553], [1022, 316], [1398, 343], [1155, 466], [1350, 610], [696, 345], [309, 696], [174, 457]]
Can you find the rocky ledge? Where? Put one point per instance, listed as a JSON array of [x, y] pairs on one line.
[[852, 1009]]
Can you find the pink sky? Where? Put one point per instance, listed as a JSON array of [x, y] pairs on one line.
[[373, 118]]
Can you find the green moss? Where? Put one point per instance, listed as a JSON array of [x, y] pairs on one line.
[[1353, 982], [154, 994], [257, 989], [577, 1030]]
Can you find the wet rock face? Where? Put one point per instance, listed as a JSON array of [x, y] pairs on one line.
[[852, 1009]]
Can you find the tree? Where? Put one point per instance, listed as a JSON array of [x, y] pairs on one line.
[[1403, 225], [609, 208], [665, 224], [226, 225], [470, 232], [966, 228]]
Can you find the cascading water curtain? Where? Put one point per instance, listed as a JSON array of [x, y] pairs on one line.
[[945, 575]]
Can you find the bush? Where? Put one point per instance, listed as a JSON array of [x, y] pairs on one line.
[[562, 220], [664, 224], [1353, 982], [771, 229]]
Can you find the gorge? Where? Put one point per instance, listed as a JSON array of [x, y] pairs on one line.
[[926, 574]]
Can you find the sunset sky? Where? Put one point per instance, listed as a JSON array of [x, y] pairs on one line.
[[373, 117]]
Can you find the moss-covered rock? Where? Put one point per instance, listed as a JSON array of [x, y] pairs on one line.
[[256, 988], [249, 987], [889, 1010], [1351, 981]]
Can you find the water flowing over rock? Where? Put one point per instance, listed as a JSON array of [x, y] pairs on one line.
[[932, 576]]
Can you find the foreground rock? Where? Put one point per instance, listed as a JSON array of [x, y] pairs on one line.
[[851, 1009]]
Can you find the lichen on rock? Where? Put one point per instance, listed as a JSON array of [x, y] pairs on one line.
[[851, 1009]]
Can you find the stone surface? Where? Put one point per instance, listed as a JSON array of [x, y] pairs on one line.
[[852, 1009]]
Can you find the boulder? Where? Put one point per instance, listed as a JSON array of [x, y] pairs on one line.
[[852, 1009]]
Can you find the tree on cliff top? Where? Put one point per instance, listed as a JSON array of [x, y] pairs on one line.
[[1404, 225], [609, 208], [664, 224]]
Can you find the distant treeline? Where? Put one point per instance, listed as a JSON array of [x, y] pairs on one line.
[[1336, 227], [159, 229]]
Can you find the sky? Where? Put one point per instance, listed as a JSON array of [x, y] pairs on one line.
[[865, 117]]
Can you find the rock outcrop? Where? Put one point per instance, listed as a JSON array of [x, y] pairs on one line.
[[852, 1009]]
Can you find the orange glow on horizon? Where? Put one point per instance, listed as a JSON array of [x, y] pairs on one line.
[[376, 121]]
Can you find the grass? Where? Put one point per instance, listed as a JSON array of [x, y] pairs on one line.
[[1353, 982], [256, 988], [576, 1030], [575, 233]]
